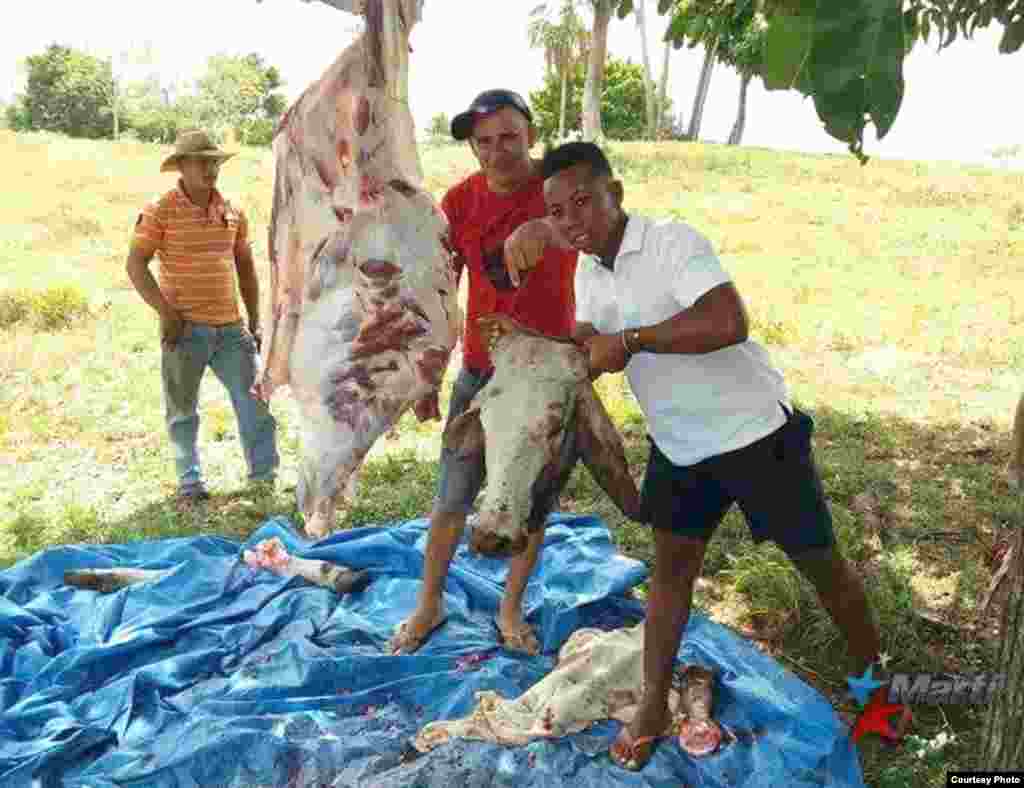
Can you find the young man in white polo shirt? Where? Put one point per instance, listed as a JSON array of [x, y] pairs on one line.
[[653, 299]]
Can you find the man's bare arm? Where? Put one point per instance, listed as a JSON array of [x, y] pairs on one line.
[[248, 284], [145, 284], [716, 320]]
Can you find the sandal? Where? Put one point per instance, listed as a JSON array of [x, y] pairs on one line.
[[521, 639], [404, 642], [630, 753]]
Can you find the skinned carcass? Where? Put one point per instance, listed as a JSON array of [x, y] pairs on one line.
[[533, 420], [363, 311]]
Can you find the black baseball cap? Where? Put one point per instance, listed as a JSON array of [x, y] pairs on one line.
[[487, 102]]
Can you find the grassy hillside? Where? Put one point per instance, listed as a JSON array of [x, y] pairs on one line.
[[890, 295]]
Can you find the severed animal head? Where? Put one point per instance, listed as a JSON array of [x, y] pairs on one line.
[[533, 420], [699, 734]]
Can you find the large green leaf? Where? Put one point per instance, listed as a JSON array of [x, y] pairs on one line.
[[787, 46], [837, 73], [1013, 35], [697, 27], [885, 69], [856, 67]]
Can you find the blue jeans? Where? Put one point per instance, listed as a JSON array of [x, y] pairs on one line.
[[231, 352]]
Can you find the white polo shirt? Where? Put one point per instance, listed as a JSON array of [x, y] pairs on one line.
[[696, 406]]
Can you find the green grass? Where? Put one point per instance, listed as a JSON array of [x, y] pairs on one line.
[[888, 295]]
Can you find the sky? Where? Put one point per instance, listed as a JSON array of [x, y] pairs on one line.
[[959, 104]]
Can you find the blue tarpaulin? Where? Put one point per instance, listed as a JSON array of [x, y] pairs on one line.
[[218, 674]]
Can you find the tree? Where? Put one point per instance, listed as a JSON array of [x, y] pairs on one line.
[[237, 94], [720, 26], [66, 91], [592, 92], [848, 55], [1003, 737], [650, 103], [440, 126], [118, 90], [595, 69], [154, 119], [663, 87], [622, 102], [566, 43], [700, 96], [706, 23], [1004, 153], [745, 53], [732, 32]]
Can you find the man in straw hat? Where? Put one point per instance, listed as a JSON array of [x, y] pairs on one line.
[[202, 240]]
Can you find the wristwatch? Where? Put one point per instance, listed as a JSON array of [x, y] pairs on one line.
[[630, 340]]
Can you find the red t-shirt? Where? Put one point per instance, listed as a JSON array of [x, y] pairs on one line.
[[480, 222]]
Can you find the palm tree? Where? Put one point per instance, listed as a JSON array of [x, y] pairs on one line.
[[596, 54], [701, 96], [595, 68], [746, 54], [732, 32], [650, 103], [662, 103], [566, 43]]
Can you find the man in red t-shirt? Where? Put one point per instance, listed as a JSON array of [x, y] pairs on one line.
[[483, 210]]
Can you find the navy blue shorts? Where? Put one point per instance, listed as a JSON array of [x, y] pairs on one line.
[[773, 480]]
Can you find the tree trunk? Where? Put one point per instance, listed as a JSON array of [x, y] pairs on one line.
[[117, 113], [114, 98], [565, 95], [649, 100], [662, 105], [741, 114], [1003, 744], [702, 91], [594, 85]]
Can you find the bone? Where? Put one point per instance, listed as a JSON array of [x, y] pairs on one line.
[[271, 554], [106, 581]]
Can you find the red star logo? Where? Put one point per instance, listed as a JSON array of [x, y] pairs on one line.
[[875, 718]]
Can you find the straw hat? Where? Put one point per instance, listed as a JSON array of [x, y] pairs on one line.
[[193, 143]]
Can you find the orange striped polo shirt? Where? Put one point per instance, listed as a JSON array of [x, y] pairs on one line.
[[197, 253]]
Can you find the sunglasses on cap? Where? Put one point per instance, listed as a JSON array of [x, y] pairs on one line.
[[487, 102]]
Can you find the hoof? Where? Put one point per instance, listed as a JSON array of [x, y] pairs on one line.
[[351, 581]]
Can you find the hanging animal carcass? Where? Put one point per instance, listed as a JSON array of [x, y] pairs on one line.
[[363, 312]]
